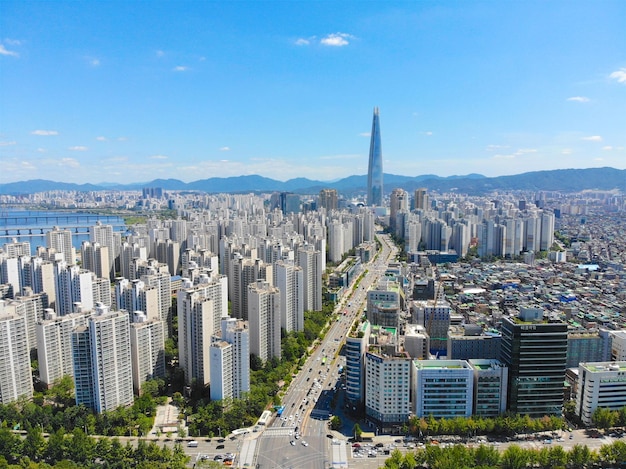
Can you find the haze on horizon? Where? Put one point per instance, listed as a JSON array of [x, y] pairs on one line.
[[123, 92]]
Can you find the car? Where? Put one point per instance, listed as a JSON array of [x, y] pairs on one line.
[[571, 436], [293, 442], [304, 443], [356, 445], [218, 457], [219, 447], [192, 444], [379, 445]]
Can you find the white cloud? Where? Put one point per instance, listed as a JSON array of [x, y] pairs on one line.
[[607, 148], [598, 159], [158, 157], [71, 162], [566, 151], [6, 144], [336, 39], [93, 61], [365, 134], [224, 161], [225, 149], [302, 41], [5, 51], [42, 150], [496, 147], [28, 165], [523, 151], [619, 75], [101, 139], [593, 138], [160, 53], [341, 157], [78, 148], [45, 133], [122, 139], [13, 42], [579, 99], [180, 68], [427, 133]]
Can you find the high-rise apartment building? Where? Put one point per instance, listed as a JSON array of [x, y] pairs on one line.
[[200, 310], [61, 241], [103, 235], [289, 280], [421, 199], [312, 264], [54, 345], [375, 167], [95, 258], [73, 285], [135, 295], [328, 199], [147, 344], [103, 378], [230, 360], [264, 319], [535, 351], [15, 374]]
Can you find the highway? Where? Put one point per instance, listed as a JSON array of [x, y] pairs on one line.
[[300, 438]]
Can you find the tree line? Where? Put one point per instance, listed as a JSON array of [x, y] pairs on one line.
[[513, 457]]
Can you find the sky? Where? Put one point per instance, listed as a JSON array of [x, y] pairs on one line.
[[128, 92]]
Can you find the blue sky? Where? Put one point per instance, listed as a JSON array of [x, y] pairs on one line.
[[132, 91]]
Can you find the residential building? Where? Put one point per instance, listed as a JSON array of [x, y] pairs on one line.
[[16, 379]]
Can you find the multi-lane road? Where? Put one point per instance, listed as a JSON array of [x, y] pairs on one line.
[[299, 438]]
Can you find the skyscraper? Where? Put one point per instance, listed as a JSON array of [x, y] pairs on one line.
[[375, 168]]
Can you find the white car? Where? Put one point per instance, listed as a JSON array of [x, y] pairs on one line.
[[304, 443], [293, 442]]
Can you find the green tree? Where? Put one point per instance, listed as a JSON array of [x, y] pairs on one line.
[[34, 443], [10, 445], [486, 456], [514, 457], [357, 432], [603, 418], [579, 456], [335, 422]]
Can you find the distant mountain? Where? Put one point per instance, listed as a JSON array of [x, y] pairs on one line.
[[556, 180]]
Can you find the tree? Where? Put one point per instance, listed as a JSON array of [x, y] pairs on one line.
[[34, 444], [335, 423], [357, 432], [514, 457], [579, 456], [603, 418], [10, 445]]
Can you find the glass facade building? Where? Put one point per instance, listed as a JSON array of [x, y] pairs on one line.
[[536, 354], [375, 168]]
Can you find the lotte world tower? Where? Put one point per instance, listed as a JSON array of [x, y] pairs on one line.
[[375, 169]]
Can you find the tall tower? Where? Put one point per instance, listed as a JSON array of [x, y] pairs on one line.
[[375, 169]]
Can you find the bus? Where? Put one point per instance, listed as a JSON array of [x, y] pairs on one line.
[[279, 410], [324, 360], [340, 369]]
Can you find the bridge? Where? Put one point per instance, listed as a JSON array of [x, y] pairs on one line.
[[10, 232], [56, 218]]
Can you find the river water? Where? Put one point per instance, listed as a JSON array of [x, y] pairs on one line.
[[31, 225]]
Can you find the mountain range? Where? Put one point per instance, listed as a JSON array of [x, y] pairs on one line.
[[567, 180]]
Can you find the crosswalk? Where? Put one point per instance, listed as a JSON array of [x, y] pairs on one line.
[[278, 431]]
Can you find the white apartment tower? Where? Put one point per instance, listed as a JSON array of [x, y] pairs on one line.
[[103, 235], [147, 344], [200, 310], [264, 320], [288, 278], [73, 285], [15, 374], [54, 345], [311, 262], [95, 258], [103, 377], [61, 241], [230, 361]]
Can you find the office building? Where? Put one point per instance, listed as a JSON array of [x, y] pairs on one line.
[[387, 381], [490, 387], [375, 166], [600, 384], [535, 351], [471, 341], [443, 388], [16, 379], [101, 353], [355, 348], [416, 342], [264, 319]]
